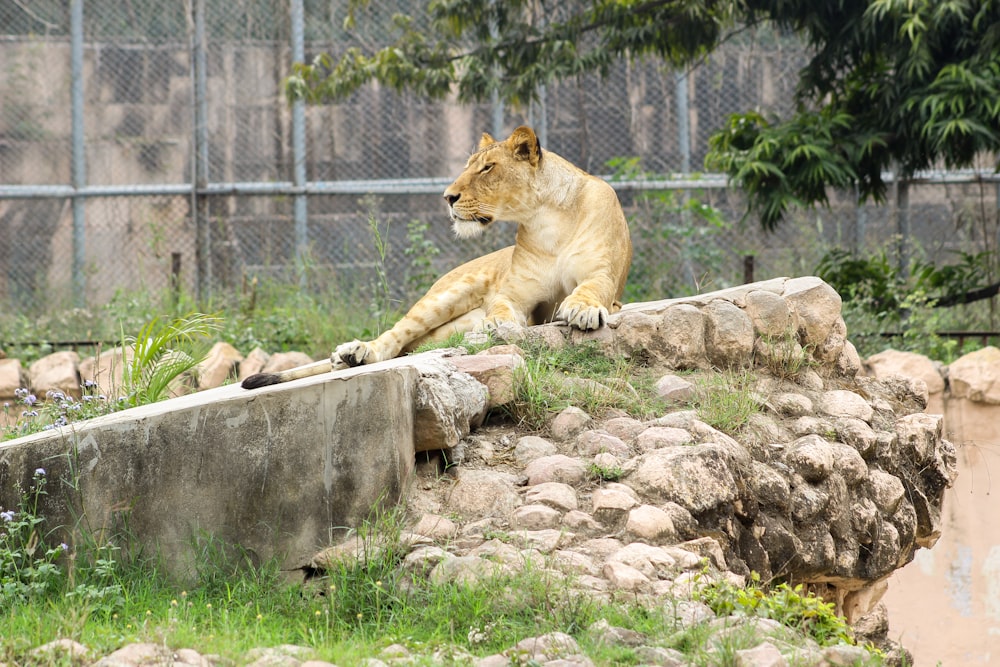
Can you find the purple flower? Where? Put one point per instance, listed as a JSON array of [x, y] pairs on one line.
[[7, 516], [39, 472], [30, 399]]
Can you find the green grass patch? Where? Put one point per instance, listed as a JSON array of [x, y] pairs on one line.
[[726, 399], [579, 376]]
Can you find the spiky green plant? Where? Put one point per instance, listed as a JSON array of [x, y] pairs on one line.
[[161, 353]]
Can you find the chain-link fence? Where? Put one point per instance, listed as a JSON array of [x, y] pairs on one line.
[[147, 145]]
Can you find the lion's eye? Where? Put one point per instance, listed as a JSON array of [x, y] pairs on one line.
[[487, 168]]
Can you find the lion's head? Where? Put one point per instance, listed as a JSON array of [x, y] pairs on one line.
[[495, 184]]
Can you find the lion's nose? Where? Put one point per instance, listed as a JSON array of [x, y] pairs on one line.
[[451, 199]]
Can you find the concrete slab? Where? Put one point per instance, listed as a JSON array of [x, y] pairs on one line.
[[279, 472]]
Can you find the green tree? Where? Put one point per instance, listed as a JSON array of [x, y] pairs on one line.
[[892, 85]]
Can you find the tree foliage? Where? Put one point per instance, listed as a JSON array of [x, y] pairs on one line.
[[510, 47], [892, 85]]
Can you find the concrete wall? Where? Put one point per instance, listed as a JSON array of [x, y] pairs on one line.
[[279, 471], [945, 605]]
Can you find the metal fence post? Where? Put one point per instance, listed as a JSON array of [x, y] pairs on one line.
[[903, 225], [683, 121], [861, 220], [300, 212], [79, 165], [199, 199], [684, 147]]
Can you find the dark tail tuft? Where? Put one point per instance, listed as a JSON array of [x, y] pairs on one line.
[[259, 380]]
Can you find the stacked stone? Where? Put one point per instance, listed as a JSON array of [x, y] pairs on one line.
[[840, 483]]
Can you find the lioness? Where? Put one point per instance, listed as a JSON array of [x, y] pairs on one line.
[[569, 261]]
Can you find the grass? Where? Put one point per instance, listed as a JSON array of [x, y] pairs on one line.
[[105, 596], [579, 376], [725, 399], [274, 315]]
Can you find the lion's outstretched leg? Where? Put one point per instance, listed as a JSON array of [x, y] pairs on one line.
[[448, 302]]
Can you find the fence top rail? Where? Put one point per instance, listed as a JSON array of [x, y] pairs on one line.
[[411, 186]]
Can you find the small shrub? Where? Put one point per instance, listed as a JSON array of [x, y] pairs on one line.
[[421, 250], [791, 606], [161, 353], [29, 414], [606, 473]]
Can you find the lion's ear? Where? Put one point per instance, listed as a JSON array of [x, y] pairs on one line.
[[525, 146], [486, 140]]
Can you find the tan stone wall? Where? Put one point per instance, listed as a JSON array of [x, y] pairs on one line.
[[945, 605]]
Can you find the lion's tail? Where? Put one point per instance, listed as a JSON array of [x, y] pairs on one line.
[[266, 379]]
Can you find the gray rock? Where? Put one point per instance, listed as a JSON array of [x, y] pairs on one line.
[[789, 404], [562, 497], [812, 457], [650, 524], [604, 633], [674, 388], [555, 468], [843, 403], [664, 657], [594, 442], [624, 428], [729, 334], [535, 517], [448, 405], [531, 447], [546, 647], [696, 477], [657, 437], [569, 423], [57, 372], [762, 655], [483, 493]]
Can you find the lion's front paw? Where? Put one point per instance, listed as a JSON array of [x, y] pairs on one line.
[[582, 315], [355, 353]]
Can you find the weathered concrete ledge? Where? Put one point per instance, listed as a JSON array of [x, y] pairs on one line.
[[277, 471]]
